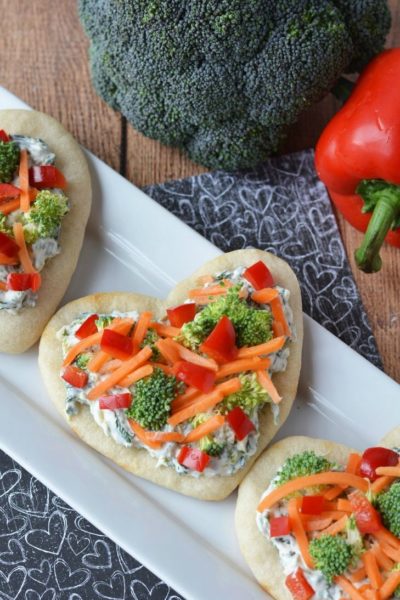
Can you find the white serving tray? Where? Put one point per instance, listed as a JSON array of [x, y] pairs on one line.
[[134, 244]]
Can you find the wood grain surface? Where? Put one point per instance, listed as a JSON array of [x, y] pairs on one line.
[[44, 61]]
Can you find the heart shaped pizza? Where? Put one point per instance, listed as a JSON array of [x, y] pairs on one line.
[[45, 198], [316, 519], [187, 392]]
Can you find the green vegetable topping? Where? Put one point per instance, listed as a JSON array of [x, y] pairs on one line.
[[149, 340], [354, 537], [300, 465], [208, 443], [152, 400], [9, 160], [388, 504], [331, 554], [44, 218], [103, 321], [250, 395], [252, 326], [82, 360], [4, 226]]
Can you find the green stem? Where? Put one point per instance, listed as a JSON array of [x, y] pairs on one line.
[[385, 213]]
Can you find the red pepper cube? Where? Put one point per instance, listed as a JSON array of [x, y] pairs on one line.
[[368, 519], [312, 505], [116, 345], [259, 276], [87, 328], [298, 585], [195, 375], [181, 314], [279, 526], [8, 245], [240, 423], [193, 458], [46, 176], [19, 282], [4, 137], [75, 376], [115, 401], [221, 343], [376, 457]]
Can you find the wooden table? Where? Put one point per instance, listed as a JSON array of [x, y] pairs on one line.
[[44, 61]]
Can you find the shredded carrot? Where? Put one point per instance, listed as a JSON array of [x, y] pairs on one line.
[[262, 349], [357, 576], [298, 530], [317, 524], [183, 401], [278, 329], [244, 364], [24, 181], [212, 424], [100, 358], [110, 366], [91, 340], [163, 367], [170, 354], [335, 527], [163, 436], [327, 478], [192, 357], [390, 585], [372, 595], [372, 569], [141, 435], [391, 552], [127, 367], [279, 315], [348, 587], [383, 535], [141, 372], [353, 462], [140, 330], [382, 560], [343, 504], [165, 330], [212, 290], [266, 382], [388, 471], [23, 253], [333, 492], [265, 296], [380, 484]]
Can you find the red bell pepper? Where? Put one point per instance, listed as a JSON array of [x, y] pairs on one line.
[[46, 176], [358, 158], [192, 458], [195, 375], [367, 518], [376, 457], [116, 345], [4, 137], [75, 376], [19, 282], [279, 526], [8, 245], [7, 190], [87, 328], [181, 314], [240, 423], [221, 343], [259, 276], [298, 585], [115, 401], [312, 505]]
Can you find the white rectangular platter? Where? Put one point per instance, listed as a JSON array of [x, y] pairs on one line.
[[134, 244]]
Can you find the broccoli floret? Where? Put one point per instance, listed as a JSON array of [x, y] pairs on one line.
[[149, 340], [250, 395], [302, 464], [331, 554], [222, 79], [9, 159], [44, 218], [208, 443], [152, 400], [82, 360], [252, 325], [354, 537], [4, 226], [388, 504], [103, 321]]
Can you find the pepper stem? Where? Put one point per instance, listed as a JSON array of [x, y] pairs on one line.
[[385, 214]]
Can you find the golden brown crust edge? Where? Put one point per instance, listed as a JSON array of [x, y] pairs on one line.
[[259, 553], [20, 331], [140, 462]]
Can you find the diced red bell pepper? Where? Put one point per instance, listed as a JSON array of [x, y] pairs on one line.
[[88, 327], [195, 375], [7, 190], [259, 276], [116, 344], [8, 246], [240, 423], [279, 526], [19, 282], [376, 457], [221, 343], [46, 176], [193, 458], [367, 518], [298, 585], [115, 401], [312, 505], [181, 314], [4, 137], [75, 376]]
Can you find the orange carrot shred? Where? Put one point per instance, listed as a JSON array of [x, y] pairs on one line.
[[298, 530], [192, 357], [243, 364], [140, 329], [358, 575], [170, 354], [165, 330], [390, 585], [23, 250], [388, 471], [333, 492], [266, 382], [383, 561], [212, 424], [348, 587], [380, 484], [141, 435], [372, 569], [262, 349], [265, 296], [279, 315], [353, 462], [24, 181], [101, 357], [335, 527], [140, 373]]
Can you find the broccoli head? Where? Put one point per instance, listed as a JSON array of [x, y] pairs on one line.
[[4, 226], [82, 360], [103, 321], [44, 218], [250, 395], [299, 465], [388, 504], [152, 400], [331, 554], [252, 326], [9, 159], [222, 79], [149, 340]]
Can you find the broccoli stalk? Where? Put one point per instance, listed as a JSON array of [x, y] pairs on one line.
[[208, 443], [331, 554], [9, 159], [388, 504], [44, 218], [299, 465]]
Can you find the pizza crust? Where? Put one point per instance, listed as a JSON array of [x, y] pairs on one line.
[[138, 461], [20, 331], [392, 439]]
